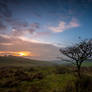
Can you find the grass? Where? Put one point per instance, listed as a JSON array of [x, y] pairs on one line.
[[35, 80], [87, 64], [42, 78]]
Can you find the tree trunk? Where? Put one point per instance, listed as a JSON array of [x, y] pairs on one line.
[[78, 71]]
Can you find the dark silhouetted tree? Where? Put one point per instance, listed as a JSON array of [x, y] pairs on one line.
[[78, 53]]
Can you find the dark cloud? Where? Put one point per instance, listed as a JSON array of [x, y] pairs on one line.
[[22, 28], [21, 31], [5, 13], [4, 10], [61, 8], [18, 23], [38, 15], [35, 25], [2, 26], [17, 32], [31, 31]]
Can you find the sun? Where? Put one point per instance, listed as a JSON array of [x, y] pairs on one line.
[[22, 54]]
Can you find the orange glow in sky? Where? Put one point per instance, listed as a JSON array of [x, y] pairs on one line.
[[18, 53], [24, 53]]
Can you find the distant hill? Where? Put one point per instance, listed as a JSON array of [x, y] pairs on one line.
[[88, 63], [25, 62], [22, 62]]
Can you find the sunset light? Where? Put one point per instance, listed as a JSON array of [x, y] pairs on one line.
[[25, 53], [45, 45], [37, 29], [20, 53]]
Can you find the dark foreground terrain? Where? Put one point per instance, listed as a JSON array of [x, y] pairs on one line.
[[15, 77]]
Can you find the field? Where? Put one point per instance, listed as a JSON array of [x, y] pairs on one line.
[[87, 64], [24, 75]]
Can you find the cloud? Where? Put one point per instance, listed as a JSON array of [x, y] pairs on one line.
[[22, 32], [6, 44], [4, 39], [41, 51], [2, 26], [42, 34], [20, 28], [18, 23], [32, 40], [9, 40], [63, 26], [35, 25], [5, 12]]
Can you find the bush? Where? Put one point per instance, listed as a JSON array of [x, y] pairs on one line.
[[62, 70]]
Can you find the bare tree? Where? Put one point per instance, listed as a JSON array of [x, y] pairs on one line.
[[78, 53]]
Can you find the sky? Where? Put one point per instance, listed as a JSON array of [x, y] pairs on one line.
[[39, 28]]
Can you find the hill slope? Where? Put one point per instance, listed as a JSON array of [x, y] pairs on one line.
[[20, 61]]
